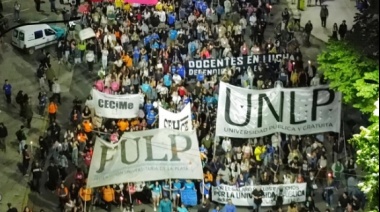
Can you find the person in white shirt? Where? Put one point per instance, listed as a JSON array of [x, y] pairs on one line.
[[252, 19], [176, 78], [243, 23], [90, 58], [105, 58], [227, 6], [56, 88], [146, 14], [238, 30], [315, 81], [124, 39], [162, 90], [161, 16], [191, 18], [118, 48]]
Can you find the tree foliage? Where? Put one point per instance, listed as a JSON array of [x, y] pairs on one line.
[[354, 74], [367, 144], [349, 71]]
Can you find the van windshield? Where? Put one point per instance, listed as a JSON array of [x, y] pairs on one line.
[[21, 36], [15, 33]]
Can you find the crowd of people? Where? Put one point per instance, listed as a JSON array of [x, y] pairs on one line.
[[144, 50]]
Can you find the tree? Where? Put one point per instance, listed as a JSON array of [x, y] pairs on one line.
[[364, 35], [349, 71], [367, 144], [354, 74]]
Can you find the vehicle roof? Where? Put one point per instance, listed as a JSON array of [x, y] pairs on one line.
[[33, 27]]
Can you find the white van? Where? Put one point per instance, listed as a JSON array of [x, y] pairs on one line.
[[32, 37]]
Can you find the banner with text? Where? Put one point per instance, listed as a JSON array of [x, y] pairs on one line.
[[146, 156], [246, 113], [115, 106], [178, 121], [211, 67], [243, 196]]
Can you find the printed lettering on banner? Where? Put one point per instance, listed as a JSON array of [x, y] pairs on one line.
[[246, 113], [115, 106], [178, 121], [146, 156], [210, 67], [243, 196]]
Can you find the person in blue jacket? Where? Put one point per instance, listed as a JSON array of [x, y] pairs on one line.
[[148, 107], [189, 185], [171, 19], [136, 55], [200, 77], [151, 118], [173, 69], [173, 34], [205, 186], [229, 207], [181, 70], [216, 209], [165, 205], [7, 88], [182, 208], [168, 80]]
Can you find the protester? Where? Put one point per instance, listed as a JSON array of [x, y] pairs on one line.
[[145, 51]]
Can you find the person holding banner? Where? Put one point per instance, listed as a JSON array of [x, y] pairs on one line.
[[176, 188], [258, 195], [156, 194]]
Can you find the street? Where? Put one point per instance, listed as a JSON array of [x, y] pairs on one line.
[[20, 68]]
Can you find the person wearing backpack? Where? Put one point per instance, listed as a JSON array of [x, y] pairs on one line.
[[52, 109], [21, 137]]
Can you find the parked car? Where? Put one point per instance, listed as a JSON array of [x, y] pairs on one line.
[[32, 37]]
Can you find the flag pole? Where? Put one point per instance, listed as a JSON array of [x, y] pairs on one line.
[[170, 188], [129, 192], [203, 190], [214, 147]]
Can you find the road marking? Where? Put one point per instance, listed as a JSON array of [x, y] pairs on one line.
[[20, 11], [43, 19]]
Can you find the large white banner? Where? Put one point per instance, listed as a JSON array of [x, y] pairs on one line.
[[115, 106], [243, 196], [146, 156], [246, 113], [178, 121]]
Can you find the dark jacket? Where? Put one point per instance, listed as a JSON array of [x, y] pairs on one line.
[[28, 111], [3, 132]]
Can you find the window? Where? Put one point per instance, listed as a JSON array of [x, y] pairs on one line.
[[49, 32], [38, 34], [15, 33], [21, 36]]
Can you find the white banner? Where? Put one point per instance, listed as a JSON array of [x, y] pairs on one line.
[[146, 156], [246, 113], [115, 106], [243, 196], [178, 121]]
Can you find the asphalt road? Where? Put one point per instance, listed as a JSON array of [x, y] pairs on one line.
[[21, 67]]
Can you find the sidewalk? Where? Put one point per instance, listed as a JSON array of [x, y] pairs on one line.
[[339, 10], [20, 73]]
